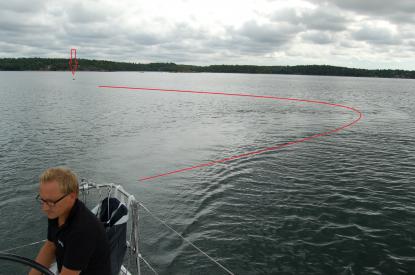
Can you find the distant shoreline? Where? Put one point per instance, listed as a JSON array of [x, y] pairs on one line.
[[60, 64]]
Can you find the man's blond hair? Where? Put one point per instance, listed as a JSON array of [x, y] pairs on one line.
[[67, 180]]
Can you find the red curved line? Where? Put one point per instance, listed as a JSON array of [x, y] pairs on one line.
[[273, 148]]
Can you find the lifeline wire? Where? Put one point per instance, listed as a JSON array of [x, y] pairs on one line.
[[144, 260], [162, 222], [187, 241], [14, 248]]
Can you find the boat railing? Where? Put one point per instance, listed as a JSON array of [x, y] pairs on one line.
[[134, 263], [92, 193]]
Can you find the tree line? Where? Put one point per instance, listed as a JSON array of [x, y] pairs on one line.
[[60, 64]]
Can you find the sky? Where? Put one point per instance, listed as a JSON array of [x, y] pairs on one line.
[[371, 34]]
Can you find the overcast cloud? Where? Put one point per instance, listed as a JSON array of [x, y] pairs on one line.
[[353, 33]]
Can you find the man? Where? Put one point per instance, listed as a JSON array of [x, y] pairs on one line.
[[76, 239]]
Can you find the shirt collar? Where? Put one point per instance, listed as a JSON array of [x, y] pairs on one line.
[[72, 213]]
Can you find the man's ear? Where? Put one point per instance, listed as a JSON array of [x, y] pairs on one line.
[[73, 195]]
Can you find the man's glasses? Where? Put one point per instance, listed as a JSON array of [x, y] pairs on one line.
[[49, 203]]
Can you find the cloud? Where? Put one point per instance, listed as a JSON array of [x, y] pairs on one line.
[[377, 6], [261, 32], [86, 13], [22, 6], [271, 34], [320, 18], [396, 10], [317, 37], [377, 35]]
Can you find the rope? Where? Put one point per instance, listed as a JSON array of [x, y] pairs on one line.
[[144, 260], [187, 241], [250, 153], [134, 233], [14, 248]]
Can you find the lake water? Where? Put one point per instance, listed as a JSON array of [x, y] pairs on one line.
[[339, 204]]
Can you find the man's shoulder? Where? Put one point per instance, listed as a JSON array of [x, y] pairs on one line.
[[84, 214], [85, 220]]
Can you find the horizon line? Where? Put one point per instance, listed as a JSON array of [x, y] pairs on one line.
[[170, 62]]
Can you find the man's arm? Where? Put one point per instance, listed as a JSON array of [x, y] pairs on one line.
[[66, 271], [45, 257]]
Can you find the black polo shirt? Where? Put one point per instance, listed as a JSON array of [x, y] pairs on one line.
[[81, 243]]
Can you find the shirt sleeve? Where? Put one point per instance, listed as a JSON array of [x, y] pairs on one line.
[[79, 249]]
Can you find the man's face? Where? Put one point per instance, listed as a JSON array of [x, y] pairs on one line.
[[50, 192]]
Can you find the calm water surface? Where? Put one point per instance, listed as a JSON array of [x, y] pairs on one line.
[[340, 204]]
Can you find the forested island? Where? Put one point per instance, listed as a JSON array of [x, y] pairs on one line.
[[60, 64]]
